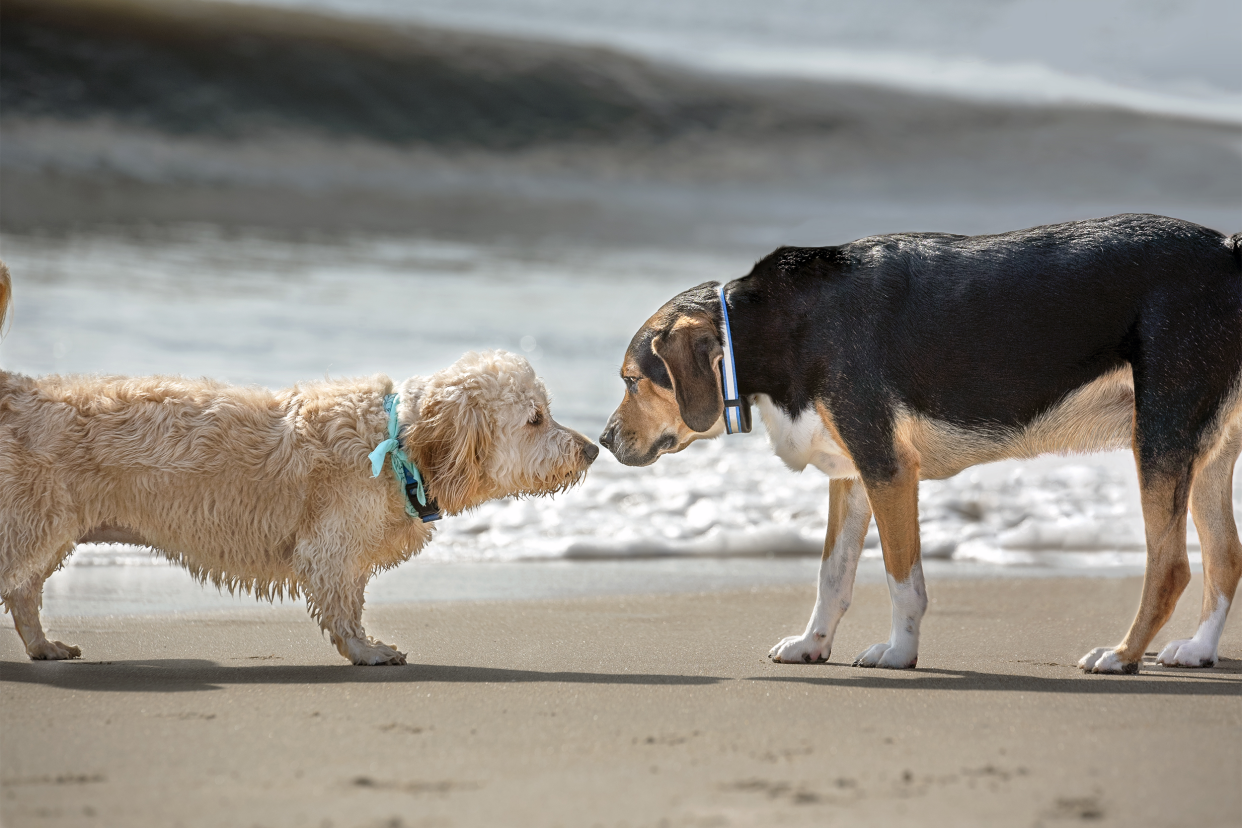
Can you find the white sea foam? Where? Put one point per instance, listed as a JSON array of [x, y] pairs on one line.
[[732, 497]]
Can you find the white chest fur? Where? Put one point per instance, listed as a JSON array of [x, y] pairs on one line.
[[804, 440]]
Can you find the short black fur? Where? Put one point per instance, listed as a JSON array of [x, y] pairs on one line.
[[988, 332]]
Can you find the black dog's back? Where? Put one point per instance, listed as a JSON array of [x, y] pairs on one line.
[[991, 331]]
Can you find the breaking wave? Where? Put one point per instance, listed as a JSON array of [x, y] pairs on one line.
[[233, 71]]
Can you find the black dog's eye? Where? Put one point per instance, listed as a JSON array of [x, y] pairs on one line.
[[535, 419]]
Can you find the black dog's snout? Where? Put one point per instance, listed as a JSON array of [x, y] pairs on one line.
[[590, 451], [608, 437]]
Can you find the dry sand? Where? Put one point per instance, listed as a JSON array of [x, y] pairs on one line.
[[633, 711]]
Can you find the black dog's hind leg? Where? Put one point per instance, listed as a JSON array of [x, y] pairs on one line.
[[1185, 381], [895, 499], [1211, 505]]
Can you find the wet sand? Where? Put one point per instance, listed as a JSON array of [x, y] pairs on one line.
[[649, 710]]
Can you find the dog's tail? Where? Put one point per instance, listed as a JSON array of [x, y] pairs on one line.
[[6, 290]]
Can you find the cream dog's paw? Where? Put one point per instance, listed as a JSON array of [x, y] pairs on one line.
[[372, 653], [52, 651], [808, 648]]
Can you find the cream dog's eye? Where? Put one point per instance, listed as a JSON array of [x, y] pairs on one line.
[[631, 384], [536, 419]]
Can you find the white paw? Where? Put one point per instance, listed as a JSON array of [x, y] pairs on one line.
[[813, 648], [370, 653], [52, 651], [888, 656], [1186, 652], [1106, 660]]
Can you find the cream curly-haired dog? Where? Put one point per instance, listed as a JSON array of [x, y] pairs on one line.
[[268, 491]]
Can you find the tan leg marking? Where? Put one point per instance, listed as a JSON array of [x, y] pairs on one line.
[[896, 506], [1168, 570], [849, 515], [1211, 506], [839, 491]]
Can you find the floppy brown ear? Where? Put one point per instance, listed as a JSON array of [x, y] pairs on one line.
[[690, 351], [450, 444]]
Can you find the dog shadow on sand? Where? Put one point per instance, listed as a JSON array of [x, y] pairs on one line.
[[184, 675], [188, 675], [1225, 679]]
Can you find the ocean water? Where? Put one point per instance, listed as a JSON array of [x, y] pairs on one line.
[[267, 310], [1170, 58]]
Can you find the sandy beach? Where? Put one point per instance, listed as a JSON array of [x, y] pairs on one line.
[[648, 710]]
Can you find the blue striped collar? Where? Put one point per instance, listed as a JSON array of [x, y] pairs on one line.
[[736, 409]]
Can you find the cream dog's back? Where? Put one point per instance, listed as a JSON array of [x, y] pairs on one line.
[[214, 476]]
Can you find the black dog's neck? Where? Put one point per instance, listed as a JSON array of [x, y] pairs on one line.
[[762, 357]]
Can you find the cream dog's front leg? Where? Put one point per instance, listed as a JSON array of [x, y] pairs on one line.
[[849, 515], [335, 595]]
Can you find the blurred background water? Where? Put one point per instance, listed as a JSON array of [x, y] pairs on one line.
[[265, 193]]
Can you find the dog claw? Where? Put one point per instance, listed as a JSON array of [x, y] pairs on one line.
[[1106, 660], [373, 653], [887, 657], [797, 648], [53, 651], [1186, 652]]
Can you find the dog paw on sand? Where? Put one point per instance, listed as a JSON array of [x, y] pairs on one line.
[[290, 492]]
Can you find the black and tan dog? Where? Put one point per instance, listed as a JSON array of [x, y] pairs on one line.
[[913, 356]]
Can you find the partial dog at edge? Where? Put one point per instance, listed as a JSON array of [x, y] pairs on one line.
[[907, 357], [266, 491]]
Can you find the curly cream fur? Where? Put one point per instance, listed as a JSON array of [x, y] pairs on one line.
[[264, 491]]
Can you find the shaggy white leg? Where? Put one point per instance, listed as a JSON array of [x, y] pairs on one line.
[[352, 641], [335, 598], [24, 605], [836, 578], [1199, 651], [366, 651], [901, 651]]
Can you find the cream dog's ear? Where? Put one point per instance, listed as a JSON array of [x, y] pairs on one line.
[[450, 445]]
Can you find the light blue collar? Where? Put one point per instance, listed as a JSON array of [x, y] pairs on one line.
[[417, 503]]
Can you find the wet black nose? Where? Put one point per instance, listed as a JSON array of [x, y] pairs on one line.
[[591, 451], [606, 439]]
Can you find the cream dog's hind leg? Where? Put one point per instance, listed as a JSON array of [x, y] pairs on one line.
[[24, 603]]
